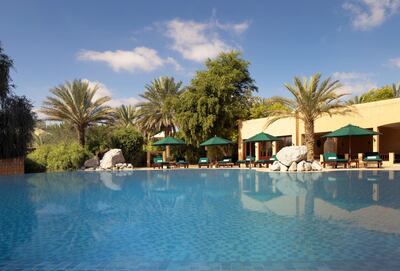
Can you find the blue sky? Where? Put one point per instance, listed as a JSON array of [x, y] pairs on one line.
[[123, 45]]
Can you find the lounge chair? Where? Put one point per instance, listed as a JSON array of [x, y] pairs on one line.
[[181, 162], [330, 158], [204, 162], [247, 161], [158, 162], [266, 162], [226, 162], [371, 158]]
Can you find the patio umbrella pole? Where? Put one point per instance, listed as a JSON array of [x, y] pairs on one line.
[[349, 148], [250, 157]]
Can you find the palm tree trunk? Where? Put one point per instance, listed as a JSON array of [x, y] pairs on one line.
[[81, 135], [310, 139]]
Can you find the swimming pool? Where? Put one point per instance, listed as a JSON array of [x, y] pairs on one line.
[[200, 220]]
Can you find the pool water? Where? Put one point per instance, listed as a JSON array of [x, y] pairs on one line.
[[200, 220]]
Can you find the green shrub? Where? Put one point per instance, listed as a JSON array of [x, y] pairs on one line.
[[130, 141], [98, 138], [56, 158]]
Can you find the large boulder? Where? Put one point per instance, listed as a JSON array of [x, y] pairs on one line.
[[288, 155], [93, 162], [111, 158]]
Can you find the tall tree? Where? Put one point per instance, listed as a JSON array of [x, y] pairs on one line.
[[216, 99], [311, 100], [157, 112], [75, 103], [6, 64], [125, 115], [16, 117], [396, 90]]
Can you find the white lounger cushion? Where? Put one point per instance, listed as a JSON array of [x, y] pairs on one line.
[[371, 157], [332, 158]]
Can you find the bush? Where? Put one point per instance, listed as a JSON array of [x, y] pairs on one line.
[[98, 138], [130, 141], [56, 158]]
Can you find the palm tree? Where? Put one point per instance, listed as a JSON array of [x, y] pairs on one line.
[[75, 104], [356, 100], [396, 90], [311, 100], [125, 115], [157, 112]]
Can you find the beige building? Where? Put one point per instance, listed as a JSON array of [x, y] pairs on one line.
[[381, 116]]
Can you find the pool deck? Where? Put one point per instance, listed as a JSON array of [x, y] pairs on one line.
[[263, 169]]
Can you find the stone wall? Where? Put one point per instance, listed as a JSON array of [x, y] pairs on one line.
[[12, 166]]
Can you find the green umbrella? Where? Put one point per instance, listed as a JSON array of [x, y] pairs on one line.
[[349, 131], [214, 141], [261, 137], [168, 141]]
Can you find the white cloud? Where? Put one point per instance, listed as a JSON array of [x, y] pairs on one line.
[[394, 62], [368, 14], [103, 90], [198, 41], [139, 59], [354, 83], [238, 28]]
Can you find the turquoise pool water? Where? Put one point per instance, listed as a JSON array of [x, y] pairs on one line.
[[200, 220]]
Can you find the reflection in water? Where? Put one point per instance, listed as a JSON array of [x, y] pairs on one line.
[[348, 197], [199, 215]]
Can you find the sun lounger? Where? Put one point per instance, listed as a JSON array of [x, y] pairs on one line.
[[372, 158], [266, 162], [226, 162], [181, 162], [330, 158], [247, 161], [204, 162], [158, 162]]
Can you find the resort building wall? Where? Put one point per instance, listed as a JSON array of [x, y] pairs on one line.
[[382, 116]]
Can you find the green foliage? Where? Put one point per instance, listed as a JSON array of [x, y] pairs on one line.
[[125, 115], [74, 103], [99, 138], [6, 63], [17, 119], [374, 95], [261, 107], [56, 158], [55, 134], [217, 98], [157, 112], [130, 141]]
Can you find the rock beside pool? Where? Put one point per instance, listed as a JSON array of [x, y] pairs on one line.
[[111, 158], [316, 166], [293, 167], [282, 167], [92, 163], [274, 166], [307, 166], [301, 166], [290, 154]]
